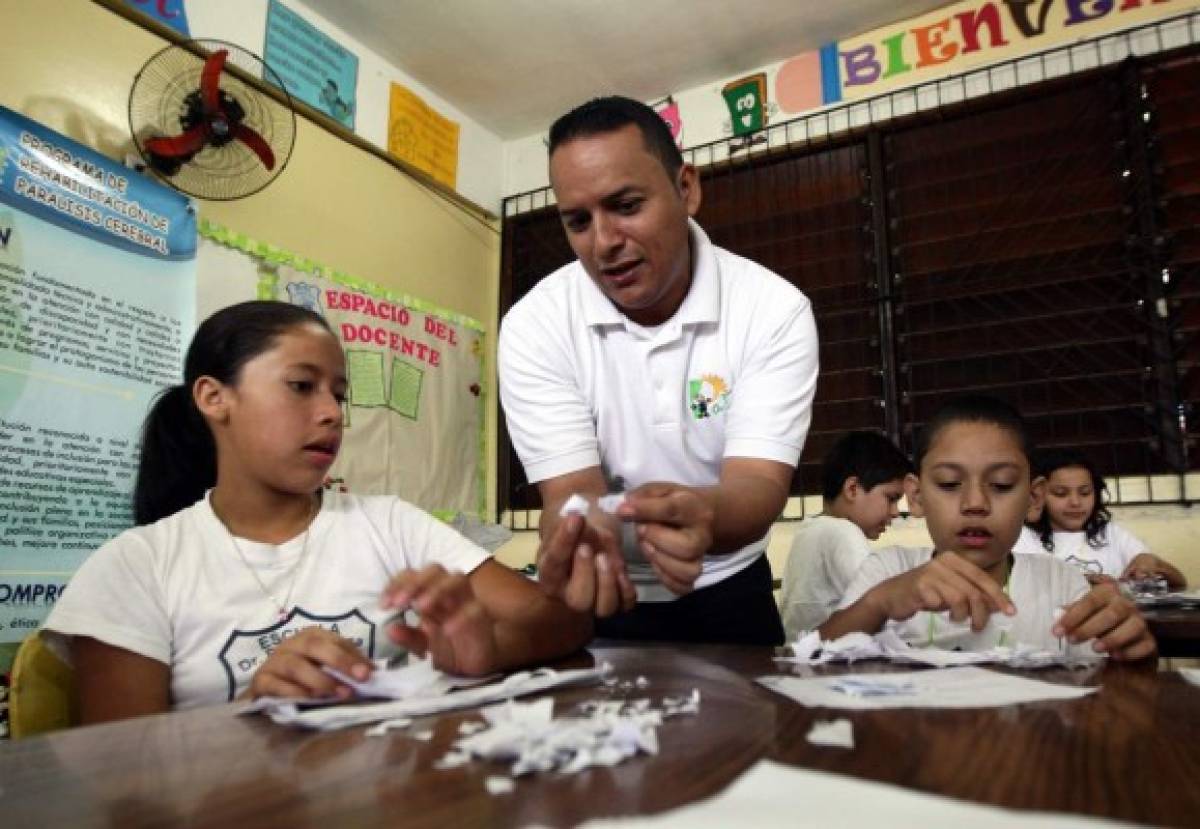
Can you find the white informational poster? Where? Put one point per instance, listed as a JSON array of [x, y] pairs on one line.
[[97, 303]]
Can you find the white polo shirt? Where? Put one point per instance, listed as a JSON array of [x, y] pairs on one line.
[[732, 374]]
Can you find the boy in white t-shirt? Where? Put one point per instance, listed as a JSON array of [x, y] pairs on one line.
[[974, 487], [862, 481]]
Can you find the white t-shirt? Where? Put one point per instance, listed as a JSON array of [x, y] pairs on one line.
[[1037, 586], [177, 592], [731, 374], [826, 553], [1117, 548]]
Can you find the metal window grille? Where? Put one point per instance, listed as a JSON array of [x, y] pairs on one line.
[[1024, 230]]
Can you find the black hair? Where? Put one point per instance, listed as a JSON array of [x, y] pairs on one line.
[[604, 115], [1048, 461], [974, 409], [178, 463], [868, 456]]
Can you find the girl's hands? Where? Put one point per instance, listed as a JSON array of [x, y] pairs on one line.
[[1112, 620], [294, 668], [1145, 566], [454, 628]]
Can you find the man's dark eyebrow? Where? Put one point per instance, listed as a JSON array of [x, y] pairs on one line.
[[624, 192], [610, 199]]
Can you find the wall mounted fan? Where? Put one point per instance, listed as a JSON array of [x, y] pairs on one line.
[[201, 125]]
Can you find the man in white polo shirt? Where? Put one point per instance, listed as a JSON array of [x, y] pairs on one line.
[[659, 365]]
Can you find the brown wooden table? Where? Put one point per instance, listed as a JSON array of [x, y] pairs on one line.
[[1176, 629], [1132, 751]]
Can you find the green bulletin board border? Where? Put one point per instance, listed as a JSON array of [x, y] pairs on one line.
[[271, 256]]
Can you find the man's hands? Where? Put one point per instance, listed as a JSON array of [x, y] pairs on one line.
[[581, 561], [1112, 620], [946, 582]]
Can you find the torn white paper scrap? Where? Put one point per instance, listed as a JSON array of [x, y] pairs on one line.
[[964, 687], [499, 785], [834, 733], [575, 505], [611, 503], [845, 802], [384, 727]]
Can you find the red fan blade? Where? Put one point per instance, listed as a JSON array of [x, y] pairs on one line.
[[177, 146], [257, 143], [210, 89]]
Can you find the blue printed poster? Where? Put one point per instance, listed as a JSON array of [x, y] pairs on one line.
[[314, 67], [97, 303]]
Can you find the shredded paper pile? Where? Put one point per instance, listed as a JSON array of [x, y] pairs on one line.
[[809, 649]]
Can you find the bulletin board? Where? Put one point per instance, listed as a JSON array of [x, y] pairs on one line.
[[414, 415]]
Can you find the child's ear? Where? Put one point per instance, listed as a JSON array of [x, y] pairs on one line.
[[912, 494], [1037, 499], [850, 488], [212, 398]]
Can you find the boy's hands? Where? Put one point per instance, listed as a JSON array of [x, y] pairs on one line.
[[946, 582], [294, 668], [454, 628], [1112, 620]]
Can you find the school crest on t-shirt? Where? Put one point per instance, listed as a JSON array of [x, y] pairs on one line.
[[708, 396], [247, 650], [1087, 565]]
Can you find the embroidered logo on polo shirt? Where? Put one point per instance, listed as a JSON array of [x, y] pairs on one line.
[[707, 396]]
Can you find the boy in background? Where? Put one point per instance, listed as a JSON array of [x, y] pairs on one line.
[[862, 481]]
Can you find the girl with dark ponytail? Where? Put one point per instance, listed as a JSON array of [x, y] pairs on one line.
[[243, 577], [179, 459]]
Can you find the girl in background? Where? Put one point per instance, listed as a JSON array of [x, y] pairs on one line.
[[1075, 524], [244, 577]]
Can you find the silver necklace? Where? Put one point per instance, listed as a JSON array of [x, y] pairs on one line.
[[280, 607]]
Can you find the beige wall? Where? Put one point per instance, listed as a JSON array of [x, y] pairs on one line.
[[71, 64]]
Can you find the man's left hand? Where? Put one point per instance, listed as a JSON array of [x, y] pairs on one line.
[[674, 529]]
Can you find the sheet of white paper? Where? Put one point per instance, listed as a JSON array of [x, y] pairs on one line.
[[333, 716], [964, 687], [759, 796], [836, 733]]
